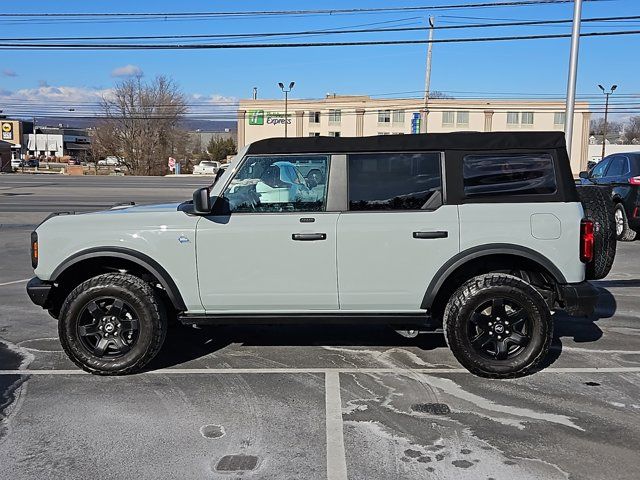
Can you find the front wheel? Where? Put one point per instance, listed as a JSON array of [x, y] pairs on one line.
[[498, 326], [112, 324], [624, 233]]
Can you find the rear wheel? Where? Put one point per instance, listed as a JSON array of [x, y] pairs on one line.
[[623, 232], [498, 326], [112, 324]]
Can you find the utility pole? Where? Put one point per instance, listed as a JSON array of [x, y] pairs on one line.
[[286, 100], [427, 77], [573, 73], [606, 114]]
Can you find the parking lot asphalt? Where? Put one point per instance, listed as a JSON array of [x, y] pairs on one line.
[[304, 402]]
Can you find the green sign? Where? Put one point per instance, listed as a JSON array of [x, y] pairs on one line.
[[256, 117]]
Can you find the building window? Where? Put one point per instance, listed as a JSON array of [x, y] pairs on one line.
[[334, 134], [398, 116], [314, 117], [559, 119], [448, 119], [384, 116], [335, 117], [527, 119], [314, 134], [513, 119], [462, 119]]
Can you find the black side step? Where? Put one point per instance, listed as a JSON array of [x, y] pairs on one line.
[[407, 319]]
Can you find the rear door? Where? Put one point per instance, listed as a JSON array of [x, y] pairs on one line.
[[396, 232]]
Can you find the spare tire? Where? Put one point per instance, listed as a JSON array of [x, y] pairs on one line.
[[598, 207]]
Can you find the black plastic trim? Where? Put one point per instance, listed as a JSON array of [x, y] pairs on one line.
[[482, 251], [324, 318], [39, 291], [579, 299], [141, 259]]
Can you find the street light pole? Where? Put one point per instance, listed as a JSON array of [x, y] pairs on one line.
[[573, 74], [427, 77], [606, 114], [286, 101]]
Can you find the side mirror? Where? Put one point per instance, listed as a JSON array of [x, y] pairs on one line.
[[584, 175], [201, 201]]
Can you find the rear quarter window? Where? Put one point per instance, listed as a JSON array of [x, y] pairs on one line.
[[508, 174]]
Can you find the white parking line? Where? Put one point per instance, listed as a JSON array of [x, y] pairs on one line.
[[14, 282], [325, 371], [336, 460]]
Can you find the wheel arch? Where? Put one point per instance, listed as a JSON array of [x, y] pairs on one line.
[[86, 263], [485, 259]]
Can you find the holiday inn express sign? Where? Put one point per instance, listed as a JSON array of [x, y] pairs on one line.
[[260, 117]]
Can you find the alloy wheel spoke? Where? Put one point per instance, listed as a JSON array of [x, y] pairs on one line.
[[517, 318], [497, 308], [519, 339], [116, 308], [120, 344], [101, 346], [127, 325], [501, 349], [94, 310], [480, 319], [480, 340], [87, 330]]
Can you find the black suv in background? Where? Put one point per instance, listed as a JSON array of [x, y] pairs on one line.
[[621, 171]]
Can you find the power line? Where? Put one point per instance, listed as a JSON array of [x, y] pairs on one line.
[[221, 46], [328, 31]]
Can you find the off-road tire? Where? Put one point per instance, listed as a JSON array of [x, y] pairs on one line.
[[470, 296], [628, 234], [598, 207], [152, 321]]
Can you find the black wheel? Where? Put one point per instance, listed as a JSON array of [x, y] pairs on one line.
[[623, 232], [598, 207], [498, 326], [112, 324]]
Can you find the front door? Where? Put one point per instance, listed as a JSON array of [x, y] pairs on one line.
[[270, 245], [396, 233]]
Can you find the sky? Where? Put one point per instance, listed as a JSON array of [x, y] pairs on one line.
[[520, 69]]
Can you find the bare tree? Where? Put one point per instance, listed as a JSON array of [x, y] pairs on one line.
[[632, 130], [141, 124], [597, 127]]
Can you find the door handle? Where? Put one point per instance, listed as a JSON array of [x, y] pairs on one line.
[[430, 234], [308, 237]]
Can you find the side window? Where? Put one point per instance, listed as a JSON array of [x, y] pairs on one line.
[[508, 174], [393, 181], [287, 183], [616, 167], [600, 168]]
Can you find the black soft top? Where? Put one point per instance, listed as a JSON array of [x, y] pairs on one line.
[[415, 142]]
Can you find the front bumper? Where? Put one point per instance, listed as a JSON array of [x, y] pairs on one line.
[[39, 292], [579, 299]]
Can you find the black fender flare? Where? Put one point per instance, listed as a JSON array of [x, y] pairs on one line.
[[482, 251], [134, 256]]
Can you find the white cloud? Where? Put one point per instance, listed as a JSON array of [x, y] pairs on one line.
[[54, 100], [7, 72], [127, 71]]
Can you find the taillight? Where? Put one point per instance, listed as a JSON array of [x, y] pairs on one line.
[[636, 212], [586, 241], [634, 180], [34, 249]]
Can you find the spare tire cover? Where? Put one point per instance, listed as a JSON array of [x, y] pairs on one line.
[[598, 207]]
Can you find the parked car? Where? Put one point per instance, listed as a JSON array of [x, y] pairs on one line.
[[206, 167], [32, 163], [16, 163], [480, 234], [620, 171], [110, 162]]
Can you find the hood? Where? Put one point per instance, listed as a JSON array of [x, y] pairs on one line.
[[158, 208]]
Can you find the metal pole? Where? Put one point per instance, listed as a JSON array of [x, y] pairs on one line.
[[573, 71], [286, 99], [427, 77], [604, 127]]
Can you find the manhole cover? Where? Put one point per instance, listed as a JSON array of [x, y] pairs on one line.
[[212, 431], [431, 408], [237, 463]]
